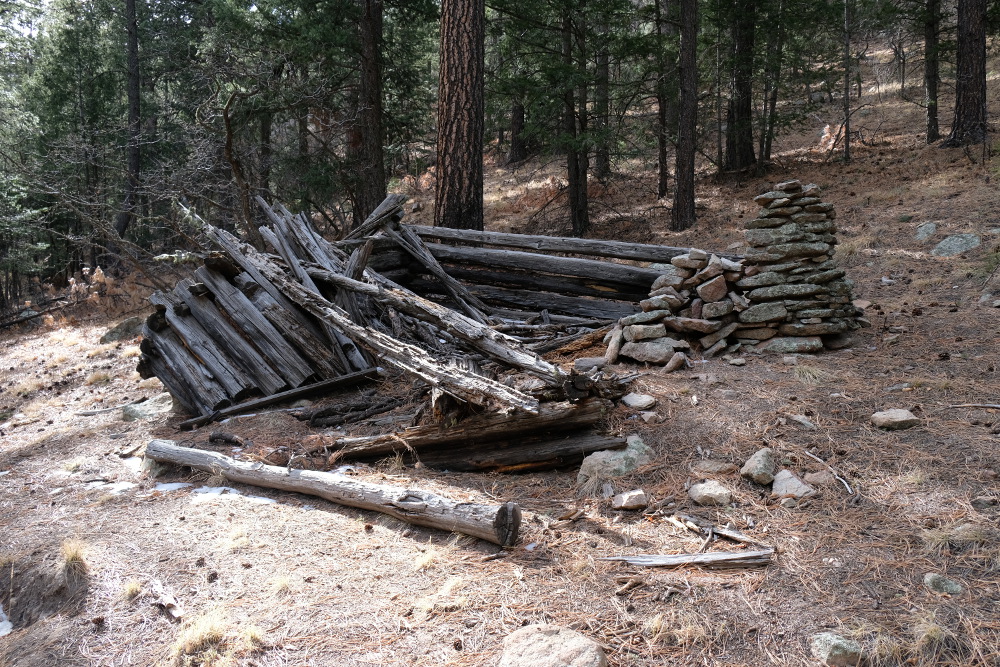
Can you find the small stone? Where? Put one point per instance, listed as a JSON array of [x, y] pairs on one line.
[[835, 651], [790, 360], [896, 419], [802, 421], [821, 478], [787, 485], [706, 467], [637, 332], [942, 584], [650, 417], [738, 361], [630, 500], [764, 312], [789, 503], [151, 409], [925, 231], [985, 502], [717, 309], [584, 364], [550, 646], [639, 401], [679, 360], [608, 464], [714, 290], [787, 345], [956, 245], [658, 351], [760, 467], [710, 493]]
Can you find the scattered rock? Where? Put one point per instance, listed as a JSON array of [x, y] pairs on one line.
[[985, 502], [550, 646], [639, 401], [706, 467], [956, 244], [630, 500], [659, 351], [738, 361], [836, 651], [925, 231], [677, 361], [788, 345], [760, 467], [710, 493], [802, 421], [124, 330], [787, 485], [896, 419], [941, 584], [150, 409], [650, 417], [584, 364], [607, 464], [821, 478]]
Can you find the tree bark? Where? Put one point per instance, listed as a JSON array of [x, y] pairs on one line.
[[682, 215], [498, 524], [666, 84], [932, 67], [133, 159], [458, 196], [576, 155], [602, 108], [518, 147], [739, 115], [366, 136], [969, 125]]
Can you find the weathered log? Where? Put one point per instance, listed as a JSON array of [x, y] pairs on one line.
[[543, 283], [519, 454], [622, 274], [576, 306], [715, 560], [618, 249], [390, 208], [194, 386], [481, 429], [408, 358], [492, 343], [232, 377], [498, 524], [290, 395]]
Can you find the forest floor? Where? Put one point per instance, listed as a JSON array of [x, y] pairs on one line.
[[89, 543]]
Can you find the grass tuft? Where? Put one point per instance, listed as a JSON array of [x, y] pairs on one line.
[[74, 559]]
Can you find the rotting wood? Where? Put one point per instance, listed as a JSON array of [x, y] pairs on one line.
[[617, 249], [187, 380], [567, 286], [499, 524], [577, 306], [490, 342], [481, 429], [391, 207], [290, 395], [408, 358], [521, 454], [712, 560]]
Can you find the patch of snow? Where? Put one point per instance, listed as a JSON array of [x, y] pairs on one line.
[[212, 493], [4, 472], [6, 627], [133, 463], [164, 487]]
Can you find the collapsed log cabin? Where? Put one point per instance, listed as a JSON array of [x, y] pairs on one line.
[[465, 323]]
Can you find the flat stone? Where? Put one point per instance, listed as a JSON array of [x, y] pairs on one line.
[[150, 409], [635, 499], [784, 292], [638, 332], [793, 185], [609, 464], [710, 493], [716, 309], [781, 212], [763, 279], [824, 276], [787, 345], [738, 361], [585, 364], [768, 197], [638, 401], [822, 207], [835, 651], [688, 324], [925, 231], [956, 244], [896, 419], [802, 421], [686, 262], [658, 351], [759, 334], [821, 478], [550, 646], [697, 253], [678, 361], [760, 467], [714, 290], [941, 584], [124, 330], [820, 329], [644, 318], [765, 223], [764, 312], [707, 467], [787, 485], [805, 216], [784, 251], [717, 337]]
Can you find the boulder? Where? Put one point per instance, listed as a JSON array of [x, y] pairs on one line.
[[787, 485], [658, 351], [638, 401], [609, 464], [550, 646], [124, 330], [149, 409], [956, 244], [835, 651], [635, 499], [760, 467], [710, 493], [791, 345]]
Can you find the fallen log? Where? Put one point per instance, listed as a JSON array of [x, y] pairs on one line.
[[522, 454], [481, 429], [595, 247], [714, 560], [498, 524], [290, 395]]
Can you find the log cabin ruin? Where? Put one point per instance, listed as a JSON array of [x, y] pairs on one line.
[[446, 331]]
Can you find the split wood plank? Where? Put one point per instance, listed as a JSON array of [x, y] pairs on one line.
[[194, 385], [522, 454], [290, 395], [408, 358], [713, 560], [390, 208], [618, 249], [543, 283], [576, 306], [499, 524]]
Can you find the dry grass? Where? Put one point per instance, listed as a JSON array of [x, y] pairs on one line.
[[210, 640], [812, 375], [131, 589], [74, 557], [99, 378]]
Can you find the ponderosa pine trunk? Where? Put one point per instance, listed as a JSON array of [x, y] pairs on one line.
[[576, 155], [666, 99], [682, 215], [518, 148], [969, 125], [458, 194], [932, 67], [739, 115], [133, 156]]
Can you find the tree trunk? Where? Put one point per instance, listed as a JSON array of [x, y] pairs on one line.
[[847, 80], [969, 125], [666, 99], [366, 136], [458, 194], [498, 524], [772, 79], [932, 67], [739, 115], [266, 155], [130, 201], [602, 108], [682, 215], [576, 155], [518, 147]]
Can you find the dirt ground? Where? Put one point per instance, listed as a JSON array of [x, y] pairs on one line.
[[261, 577]]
